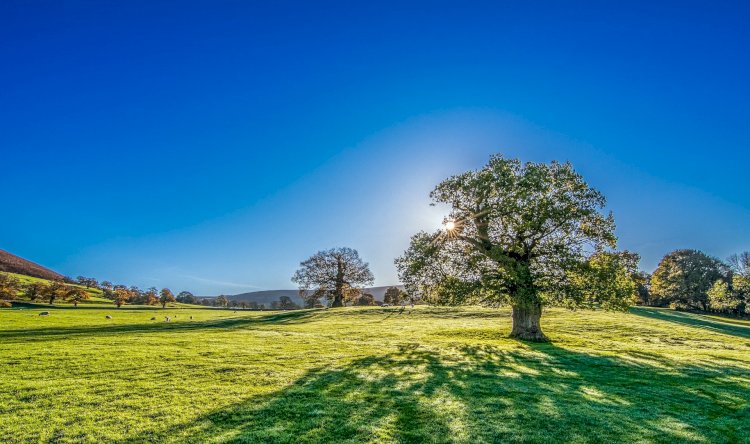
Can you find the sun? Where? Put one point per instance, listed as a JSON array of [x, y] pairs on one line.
[[450, 225]]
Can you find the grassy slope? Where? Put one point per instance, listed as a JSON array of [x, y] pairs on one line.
[[94, 293], [371, 375], [96, 298]]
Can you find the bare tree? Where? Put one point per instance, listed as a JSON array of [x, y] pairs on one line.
[[334, 274]]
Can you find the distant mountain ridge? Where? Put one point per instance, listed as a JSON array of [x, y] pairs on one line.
[[14, 264], [268, 296]]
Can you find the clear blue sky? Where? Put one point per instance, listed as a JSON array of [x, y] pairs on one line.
[[213, 145]]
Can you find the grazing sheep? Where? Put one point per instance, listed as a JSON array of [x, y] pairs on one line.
[[44, 313], [191, 318], [154, 318], [167, 319], [108, 317]]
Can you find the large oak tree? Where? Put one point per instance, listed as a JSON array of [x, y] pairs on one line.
[[335, 274], [527, 235]]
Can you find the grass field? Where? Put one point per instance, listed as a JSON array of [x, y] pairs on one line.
[[371, 375]]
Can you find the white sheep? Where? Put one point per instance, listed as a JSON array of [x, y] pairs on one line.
[[108, 317]]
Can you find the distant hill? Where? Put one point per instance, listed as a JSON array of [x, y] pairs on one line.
[[268, 296], [13, 264]]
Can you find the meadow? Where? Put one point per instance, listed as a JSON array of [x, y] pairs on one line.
[[371, 375]]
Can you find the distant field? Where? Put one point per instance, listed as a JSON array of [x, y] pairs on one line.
[[371, 375]]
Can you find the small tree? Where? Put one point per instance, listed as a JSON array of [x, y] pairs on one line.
[[35, 290], [642, 282], [722, 298], [334, 274], [186, 297], [151, 296], [121, 296], [55, 290], [393, 296], [166, 297], [286, 303], [222, 301], [740, 267], [87, 282], [243, 305], [76, 295], [137, 296], [9, 288], [106, 285]]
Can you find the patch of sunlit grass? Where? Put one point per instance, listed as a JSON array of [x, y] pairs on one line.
[[370, 375]]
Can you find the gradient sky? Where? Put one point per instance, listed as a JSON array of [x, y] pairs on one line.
[[212, 146]]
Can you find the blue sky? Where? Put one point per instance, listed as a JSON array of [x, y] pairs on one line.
[[212, 146]]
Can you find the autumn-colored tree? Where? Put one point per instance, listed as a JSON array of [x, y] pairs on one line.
[[151, 296], [34, 290], [54, 290], [121, 296], [76, 294], [517, 234], [87, 282], [9, 288], [166, 297], [336, 274]]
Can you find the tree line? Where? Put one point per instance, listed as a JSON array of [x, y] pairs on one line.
[[693, 280]]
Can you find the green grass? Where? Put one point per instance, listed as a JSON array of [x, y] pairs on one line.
[[371, 375]]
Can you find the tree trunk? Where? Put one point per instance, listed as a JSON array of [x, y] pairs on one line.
[[338, 301], [527, 323]]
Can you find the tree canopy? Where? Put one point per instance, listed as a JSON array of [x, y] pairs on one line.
[[684, 277], [336, 274], [527, 235], [166, 296]]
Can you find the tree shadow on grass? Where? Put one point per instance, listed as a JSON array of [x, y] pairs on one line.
[[694, 320], [537, 393], [157, 326]]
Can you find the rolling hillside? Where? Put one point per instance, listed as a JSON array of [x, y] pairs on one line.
[[13, 264]]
